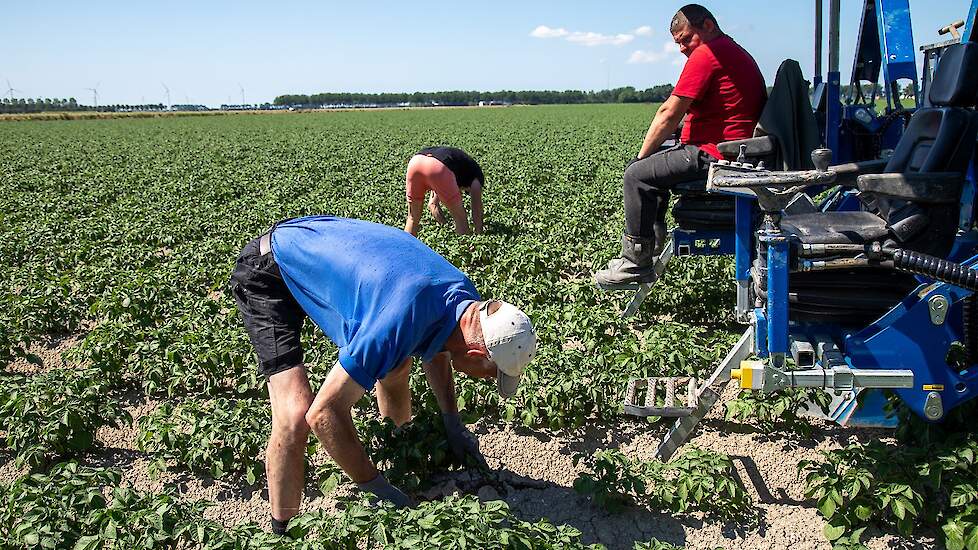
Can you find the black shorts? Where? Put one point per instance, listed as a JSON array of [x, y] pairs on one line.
[[271, 315]]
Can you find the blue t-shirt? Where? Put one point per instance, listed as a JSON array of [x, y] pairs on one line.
[[379, 293]]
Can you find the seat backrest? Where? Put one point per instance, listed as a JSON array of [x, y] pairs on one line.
[[942, 138], [938, 139], [788, 116]]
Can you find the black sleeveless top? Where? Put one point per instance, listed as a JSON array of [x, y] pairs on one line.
[[459, 162]]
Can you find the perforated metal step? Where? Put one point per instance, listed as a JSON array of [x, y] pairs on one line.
[[661, 396]]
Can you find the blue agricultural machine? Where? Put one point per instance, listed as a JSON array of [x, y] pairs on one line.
[[855, 276]]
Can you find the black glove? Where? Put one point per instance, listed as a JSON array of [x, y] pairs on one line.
[[385, 491], [462, 442]]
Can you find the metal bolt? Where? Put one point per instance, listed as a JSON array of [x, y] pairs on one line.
[[938, 306]]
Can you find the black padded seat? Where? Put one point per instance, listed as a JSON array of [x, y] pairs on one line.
[[915, 214], [836, 228], [697, 209]]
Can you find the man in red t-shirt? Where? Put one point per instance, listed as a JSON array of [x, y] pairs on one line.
[[722, 91]]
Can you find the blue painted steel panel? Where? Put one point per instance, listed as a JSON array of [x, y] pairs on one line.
[[970, 22], [906, 338], [896, 40], [833, 117], [760, 333], [777, 294], [870, 412], [743, 236]]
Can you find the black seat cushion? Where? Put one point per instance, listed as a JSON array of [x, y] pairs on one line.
[[697, 209], [835, 227]]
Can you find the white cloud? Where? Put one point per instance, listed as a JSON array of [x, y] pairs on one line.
[[644, 30], [597, 39], [582, 37], [544, 31], [668, 52]]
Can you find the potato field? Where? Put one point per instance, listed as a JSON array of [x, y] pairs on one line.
[[133, 416]]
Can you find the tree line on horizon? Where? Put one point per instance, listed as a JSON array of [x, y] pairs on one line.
[[41, 105], [626, 94]]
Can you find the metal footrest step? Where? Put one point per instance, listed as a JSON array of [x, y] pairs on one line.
[[669, 396]]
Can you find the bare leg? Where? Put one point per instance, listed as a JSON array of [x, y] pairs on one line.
[[414, 217], [460, 217], [285, 456], [478, 210], [394, 394]]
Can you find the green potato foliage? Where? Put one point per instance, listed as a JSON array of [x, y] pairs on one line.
[[776, 411], [84, 508], [54, 415], [696, 480], [410, 454], [897, 487], [453, 523], [220, 437], [131, 228]]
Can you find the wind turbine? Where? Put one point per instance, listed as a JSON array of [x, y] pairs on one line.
[[240, 87], [94, 94], [169, 106], [10, 91]]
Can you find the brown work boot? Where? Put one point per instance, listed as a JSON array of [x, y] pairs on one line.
[[635, 266]]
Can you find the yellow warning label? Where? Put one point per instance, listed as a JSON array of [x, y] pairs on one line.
[[933, 387]]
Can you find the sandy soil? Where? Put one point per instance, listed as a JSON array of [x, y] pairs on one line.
[[537, 473]]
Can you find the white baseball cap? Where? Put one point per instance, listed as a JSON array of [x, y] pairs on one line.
[[511, 341]]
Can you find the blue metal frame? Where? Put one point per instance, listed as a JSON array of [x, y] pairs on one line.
[[743, 236], [699, 242], [896, 45], [906, 337]]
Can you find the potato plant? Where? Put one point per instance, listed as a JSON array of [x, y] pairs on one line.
[[84, 508], [56, 414], [696, 480], [220, 437], [777, 411], [409, 454], [453, 523], [897, 487]]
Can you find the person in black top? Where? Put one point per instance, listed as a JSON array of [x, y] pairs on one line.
[[445, 171]]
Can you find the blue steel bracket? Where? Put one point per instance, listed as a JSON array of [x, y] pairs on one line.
[[778, 251], [896, 45], [917, 334]]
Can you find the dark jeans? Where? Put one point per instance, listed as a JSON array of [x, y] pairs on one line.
[[647, 184]]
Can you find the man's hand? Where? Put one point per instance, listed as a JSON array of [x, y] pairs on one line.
[[434, 207], [462, 442], [385, 491]]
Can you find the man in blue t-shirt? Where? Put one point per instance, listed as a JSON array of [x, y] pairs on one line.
[[383, 297]]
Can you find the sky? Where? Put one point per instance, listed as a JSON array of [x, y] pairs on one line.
[[206, 52]]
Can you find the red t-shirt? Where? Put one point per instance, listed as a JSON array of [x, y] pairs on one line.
[[728, 94]]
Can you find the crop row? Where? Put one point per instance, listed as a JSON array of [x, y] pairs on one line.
[[86, 508]]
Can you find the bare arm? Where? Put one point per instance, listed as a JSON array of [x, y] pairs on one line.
[[331, 419], [434, 206], [460, 217], [414, 217], [439, 375], [477, 208], [665, 122]]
